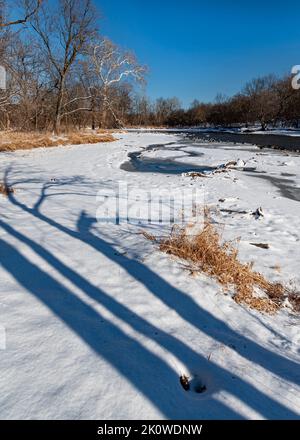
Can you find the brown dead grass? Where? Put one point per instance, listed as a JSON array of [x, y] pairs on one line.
[[110, 130], [218, 259], [11, 141], [5, 190]]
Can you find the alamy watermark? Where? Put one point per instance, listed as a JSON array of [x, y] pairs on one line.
[[296, 77], [2, 78], [2, 338], [156, 206]]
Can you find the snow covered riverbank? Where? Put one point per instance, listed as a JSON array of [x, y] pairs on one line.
[[100, 324]]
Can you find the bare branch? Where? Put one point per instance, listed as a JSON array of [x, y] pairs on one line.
[[24, 20]]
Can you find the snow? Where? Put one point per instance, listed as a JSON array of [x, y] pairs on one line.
[[100, 325]]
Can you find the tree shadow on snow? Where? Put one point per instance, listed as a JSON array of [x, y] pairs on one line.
[[145, 370]]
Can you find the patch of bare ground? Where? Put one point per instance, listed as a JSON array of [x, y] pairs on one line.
[[12, 141], [206, 252]]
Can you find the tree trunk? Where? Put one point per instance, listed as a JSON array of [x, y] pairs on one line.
[[7, 121], [263, 126], [93, 114], [57, 116]]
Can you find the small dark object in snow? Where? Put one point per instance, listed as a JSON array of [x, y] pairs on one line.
[[261, 245], [258, 213], [232, 163], [194, 174], [294, 299], [233, 211], [6, 190], [185, 382], [200, 389], [222, 200]]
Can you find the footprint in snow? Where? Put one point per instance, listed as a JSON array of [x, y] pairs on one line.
[[193, 384]]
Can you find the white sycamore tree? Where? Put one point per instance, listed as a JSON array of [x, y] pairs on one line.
[[113, 66]]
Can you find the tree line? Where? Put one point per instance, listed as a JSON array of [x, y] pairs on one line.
[[269, 101], [62, 73]]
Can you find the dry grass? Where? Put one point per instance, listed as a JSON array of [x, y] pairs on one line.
[[11, 141], [5, 190], [110, 130], [207, 253]]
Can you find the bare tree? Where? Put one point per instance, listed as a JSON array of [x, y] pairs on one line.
[[31, 8], [64, 36], [164, 108], [112, 66], [264, 102]]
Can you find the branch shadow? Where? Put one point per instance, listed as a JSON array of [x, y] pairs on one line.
[[188, 309], [73, 312], [150, 375], [171, 296], [184, 306]]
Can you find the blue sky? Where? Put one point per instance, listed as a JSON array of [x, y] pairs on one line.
[[195, 49]]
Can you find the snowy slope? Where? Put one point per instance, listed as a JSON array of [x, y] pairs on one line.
[[100, 324]]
